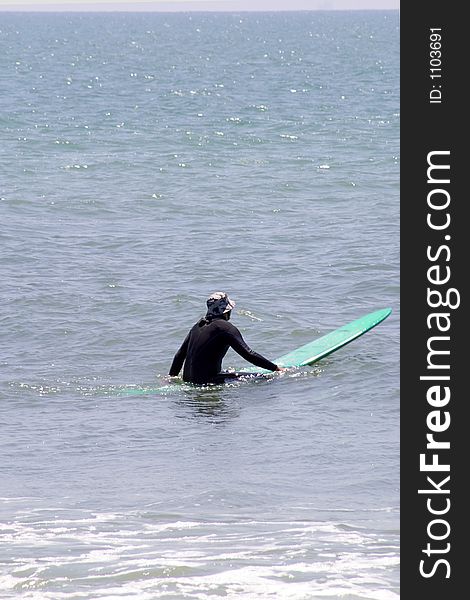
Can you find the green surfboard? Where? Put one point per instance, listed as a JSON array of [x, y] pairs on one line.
[[314, 351]]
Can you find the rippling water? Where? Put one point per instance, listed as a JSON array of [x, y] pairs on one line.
[[147, 160]]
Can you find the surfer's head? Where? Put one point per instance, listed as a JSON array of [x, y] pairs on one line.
[[219, 305]]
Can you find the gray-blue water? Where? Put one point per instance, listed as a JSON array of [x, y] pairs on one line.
[[147, 160]]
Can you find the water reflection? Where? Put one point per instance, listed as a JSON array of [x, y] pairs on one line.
[[221, 403], [216, 403]]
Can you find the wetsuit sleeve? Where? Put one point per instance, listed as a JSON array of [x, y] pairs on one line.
[[237, 342], [179, 358]]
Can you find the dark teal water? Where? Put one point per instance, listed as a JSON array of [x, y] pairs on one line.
[[147, 160]]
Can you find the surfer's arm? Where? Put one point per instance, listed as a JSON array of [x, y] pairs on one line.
[[237, 342], [179, 358]]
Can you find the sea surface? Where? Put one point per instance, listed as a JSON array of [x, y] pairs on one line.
[[146, 161]]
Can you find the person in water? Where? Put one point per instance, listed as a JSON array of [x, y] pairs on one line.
[[208, 342]]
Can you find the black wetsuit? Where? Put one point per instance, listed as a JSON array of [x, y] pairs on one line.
[[204, 348]]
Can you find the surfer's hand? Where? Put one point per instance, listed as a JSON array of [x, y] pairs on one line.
[[169, 378], [281, 369]]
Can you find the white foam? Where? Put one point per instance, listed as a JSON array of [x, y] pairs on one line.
[[119, 555]]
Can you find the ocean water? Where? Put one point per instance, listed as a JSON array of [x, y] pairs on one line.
[[147, 160]]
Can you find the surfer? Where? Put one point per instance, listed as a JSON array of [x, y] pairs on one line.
[[207, 343]]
